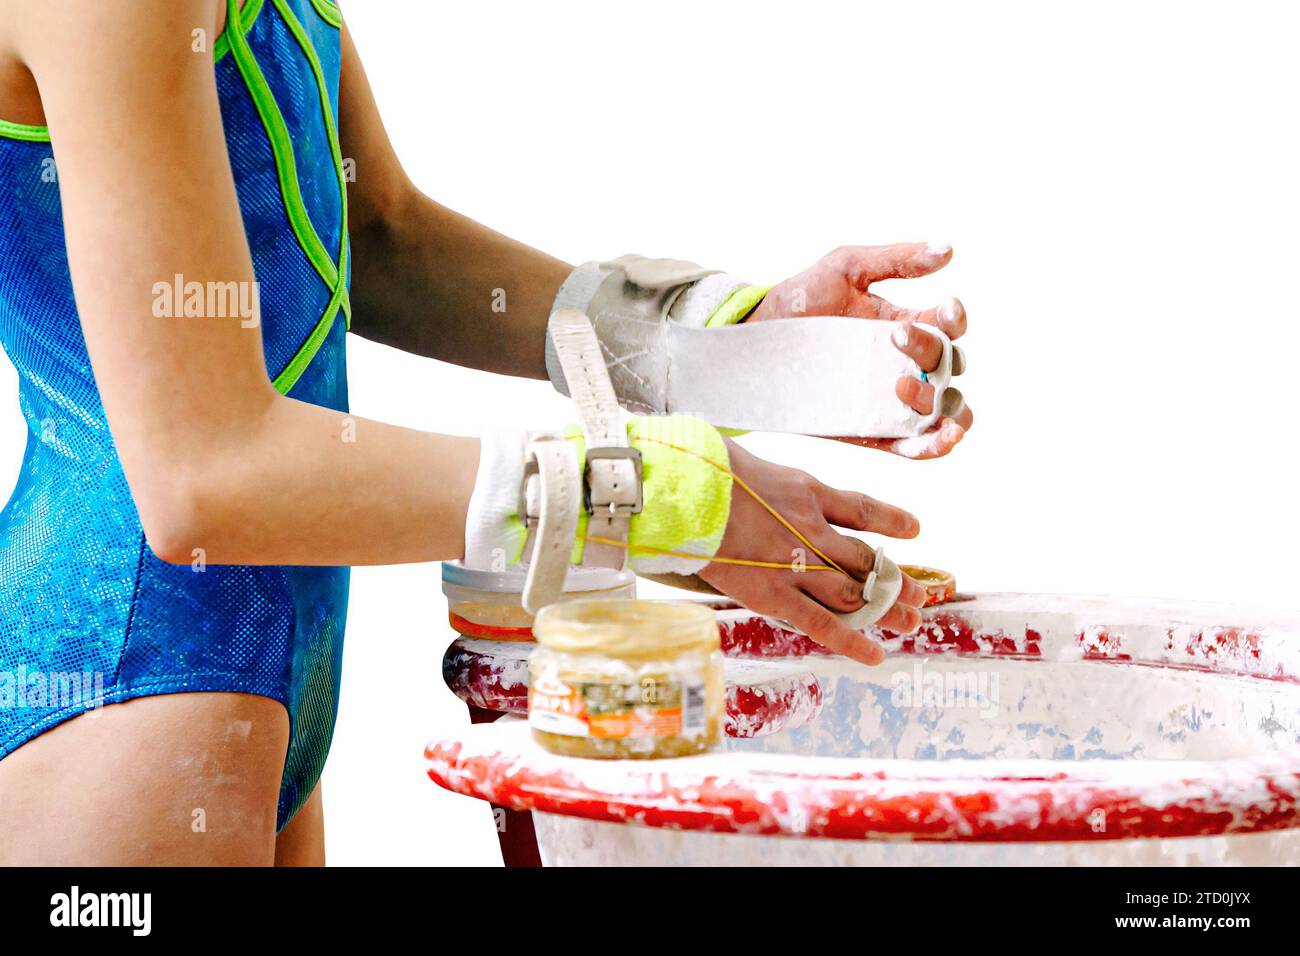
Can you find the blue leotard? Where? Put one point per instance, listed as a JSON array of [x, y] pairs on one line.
[[87, 613]]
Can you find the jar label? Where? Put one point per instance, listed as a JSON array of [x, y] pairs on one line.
[[654, 706]]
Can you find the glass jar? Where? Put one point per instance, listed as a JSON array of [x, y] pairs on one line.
[[638, 679], [489, 604]]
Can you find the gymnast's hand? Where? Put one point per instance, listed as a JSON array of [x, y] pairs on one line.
[[840, 284], [806, 597]]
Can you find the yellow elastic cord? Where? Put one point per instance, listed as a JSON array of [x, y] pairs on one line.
[[832, 566], [667, 553]]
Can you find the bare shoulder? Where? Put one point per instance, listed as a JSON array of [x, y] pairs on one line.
[[39, 40]]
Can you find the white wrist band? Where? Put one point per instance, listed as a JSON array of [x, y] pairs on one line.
[[494, 538]]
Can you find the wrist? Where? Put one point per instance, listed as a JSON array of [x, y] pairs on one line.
[[688, 490], [686, 494]]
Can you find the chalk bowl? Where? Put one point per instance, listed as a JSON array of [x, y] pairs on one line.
[[1014, 730]]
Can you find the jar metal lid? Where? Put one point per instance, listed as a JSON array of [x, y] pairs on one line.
[[940, 586], [627, 628]]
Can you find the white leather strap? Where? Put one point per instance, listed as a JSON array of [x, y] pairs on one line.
[[602, 420], [613, 469], [558, 487], [611, 488]]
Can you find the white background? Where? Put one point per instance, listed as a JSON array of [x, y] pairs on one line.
[[1118, 182]]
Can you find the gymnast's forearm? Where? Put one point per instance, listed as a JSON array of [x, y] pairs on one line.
[[298, 484], [430, 281]]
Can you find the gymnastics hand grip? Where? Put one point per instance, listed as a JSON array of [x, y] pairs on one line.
[[815, 375]]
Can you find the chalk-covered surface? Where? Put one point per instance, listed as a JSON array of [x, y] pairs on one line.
[[1024, 728]]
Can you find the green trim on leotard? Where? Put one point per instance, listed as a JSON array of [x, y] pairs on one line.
[[334, 275], [29, 134], [328, 12], [302, 358], [327, 110], [248, 16]]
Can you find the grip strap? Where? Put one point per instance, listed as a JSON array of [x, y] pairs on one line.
[[609, 486]]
